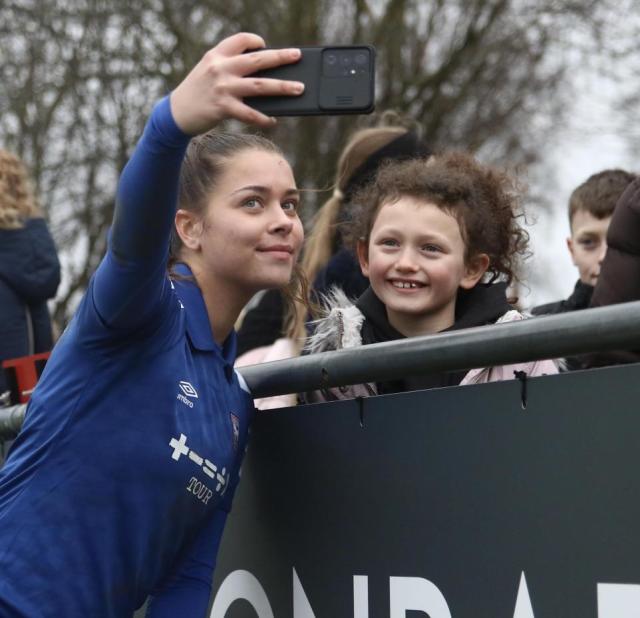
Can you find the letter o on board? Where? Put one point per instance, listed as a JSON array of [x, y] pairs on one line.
[[241, 585]]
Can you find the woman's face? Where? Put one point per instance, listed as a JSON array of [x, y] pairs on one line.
[[251, 234]]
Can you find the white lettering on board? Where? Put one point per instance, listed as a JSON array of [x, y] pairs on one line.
[[241, 585], [618, 601], [523, 600], [417, 594], [405, 594], [301, 605]]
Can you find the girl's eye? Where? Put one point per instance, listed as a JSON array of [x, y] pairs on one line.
[[290, 205], [431, 248], [389, 242]]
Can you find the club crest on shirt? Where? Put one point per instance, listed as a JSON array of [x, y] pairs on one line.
[[235, 426]]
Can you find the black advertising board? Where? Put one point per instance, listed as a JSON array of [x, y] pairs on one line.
[[445, 503]]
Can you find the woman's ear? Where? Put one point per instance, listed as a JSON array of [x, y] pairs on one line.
[[363, 256], [189, 228], [474, 269]]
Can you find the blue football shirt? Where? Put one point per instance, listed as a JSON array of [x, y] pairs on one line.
[[120, 480]]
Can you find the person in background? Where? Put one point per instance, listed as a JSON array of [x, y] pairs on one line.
[[591, 207], [118, 486], [439, 242], [29, 267]]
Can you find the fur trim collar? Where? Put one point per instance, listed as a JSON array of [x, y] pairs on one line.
[[339, 327]]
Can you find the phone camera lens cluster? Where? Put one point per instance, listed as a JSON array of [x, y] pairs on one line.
[[344, 62]]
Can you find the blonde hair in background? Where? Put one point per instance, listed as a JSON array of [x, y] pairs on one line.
[[17, 198], [323, 227], [319, 242]]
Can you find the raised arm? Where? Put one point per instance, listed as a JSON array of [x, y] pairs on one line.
[[131, 279]]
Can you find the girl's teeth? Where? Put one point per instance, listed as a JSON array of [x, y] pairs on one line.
[[405, 285]]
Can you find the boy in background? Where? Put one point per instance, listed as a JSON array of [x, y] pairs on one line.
[[591, 206]]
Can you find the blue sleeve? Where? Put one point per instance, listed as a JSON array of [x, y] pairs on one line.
[[187, 591], [130, 280]]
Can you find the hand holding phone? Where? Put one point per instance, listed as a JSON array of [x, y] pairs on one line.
[[337, 80], [215, 88]]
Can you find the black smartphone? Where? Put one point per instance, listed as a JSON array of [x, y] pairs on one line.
[[337, 80]]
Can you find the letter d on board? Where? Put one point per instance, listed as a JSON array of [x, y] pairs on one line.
[[241, 585], [417, 594]]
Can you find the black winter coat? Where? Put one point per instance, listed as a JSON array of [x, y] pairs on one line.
[[29, 275], [579, 299], [619, 279]]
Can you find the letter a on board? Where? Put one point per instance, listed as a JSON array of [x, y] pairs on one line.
[[523, 601]]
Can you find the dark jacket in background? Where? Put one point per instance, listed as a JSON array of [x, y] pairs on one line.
[[29, 275], [263, 322], [619, 279], [579, 299], [342, 270]]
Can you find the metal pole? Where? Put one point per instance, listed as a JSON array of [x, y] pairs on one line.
[[614, 327], [11, 419]]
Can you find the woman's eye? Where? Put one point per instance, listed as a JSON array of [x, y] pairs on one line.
[[431, 248], [252, 203], [290, 205], [389, 242]]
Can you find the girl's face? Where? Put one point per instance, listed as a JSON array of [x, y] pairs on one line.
[[251, 234], [415, 262]]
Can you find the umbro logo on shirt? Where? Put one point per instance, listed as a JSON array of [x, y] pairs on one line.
[[188, 393], [187, 389]]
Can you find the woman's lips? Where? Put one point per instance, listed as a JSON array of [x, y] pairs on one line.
[[281, 252]]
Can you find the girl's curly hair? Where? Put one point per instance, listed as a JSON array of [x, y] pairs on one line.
[[484, 200]]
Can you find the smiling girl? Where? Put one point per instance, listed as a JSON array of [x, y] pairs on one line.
[[439, 241], [119, 484]]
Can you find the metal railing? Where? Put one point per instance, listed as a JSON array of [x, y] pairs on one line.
[[11, 420], [603, 329], [616, 327]]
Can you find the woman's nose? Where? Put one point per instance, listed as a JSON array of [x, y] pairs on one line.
[[282, 222]]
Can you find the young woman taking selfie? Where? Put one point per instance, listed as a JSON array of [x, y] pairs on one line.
[[120, 482]]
